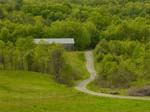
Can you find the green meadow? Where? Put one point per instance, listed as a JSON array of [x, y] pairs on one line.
[[22, 91]]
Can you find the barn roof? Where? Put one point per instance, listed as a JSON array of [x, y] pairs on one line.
[[56, 40]]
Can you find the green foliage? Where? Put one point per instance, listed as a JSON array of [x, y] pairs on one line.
[[75, 68], [87, 21], [121, 62], [50, 59], [56, 61], [71, 29], [131, 30]]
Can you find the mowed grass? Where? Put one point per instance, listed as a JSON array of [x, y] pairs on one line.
[[22, 91]]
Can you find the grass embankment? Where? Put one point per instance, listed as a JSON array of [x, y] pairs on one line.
[[77, 61], [75, 69], [72, 68], [34, 92]]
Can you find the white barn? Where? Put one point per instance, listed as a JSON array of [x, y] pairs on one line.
[[67, 43]]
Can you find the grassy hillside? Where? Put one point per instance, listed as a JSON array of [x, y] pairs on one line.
[[77, 61], [75, 69], [34, 92]]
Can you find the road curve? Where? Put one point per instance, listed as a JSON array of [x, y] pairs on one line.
[[90, 67]]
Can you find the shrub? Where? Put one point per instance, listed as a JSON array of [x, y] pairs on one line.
[[144, 91], [119, 78], [69, 75]]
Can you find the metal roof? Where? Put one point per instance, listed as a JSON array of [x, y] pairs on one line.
[[55, 40]]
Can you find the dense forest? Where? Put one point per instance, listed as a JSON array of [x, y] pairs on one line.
[[121, 62], [121, 26], [88, 21]]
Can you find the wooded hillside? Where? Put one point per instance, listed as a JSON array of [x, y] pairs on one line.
[[88, 21]]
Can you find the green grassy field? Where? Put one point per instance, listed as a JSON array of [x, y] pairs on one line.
[[22, 91]]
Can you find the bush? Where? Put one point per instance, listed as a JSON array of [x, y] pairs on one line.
[[119, 78], [145, 91], [69, 75]]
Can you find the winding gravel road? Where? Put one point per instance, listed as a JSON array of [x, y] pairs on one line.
[[90, 67]]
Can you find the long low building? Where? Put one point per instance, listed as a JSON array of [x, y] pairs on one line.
[[67, 43]]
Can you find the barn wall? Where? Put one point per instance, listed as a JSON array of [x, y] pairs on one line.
[[68, 47]]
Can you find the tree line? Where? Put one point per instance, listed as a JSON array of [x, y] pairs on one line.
[[25, 55], [88, 21]]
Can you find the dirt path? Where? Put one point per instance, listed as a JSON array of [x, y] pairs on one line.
[[90, 67]]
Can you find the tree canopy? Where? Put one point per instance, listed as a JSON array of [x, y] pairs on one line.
[[88, 21]]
